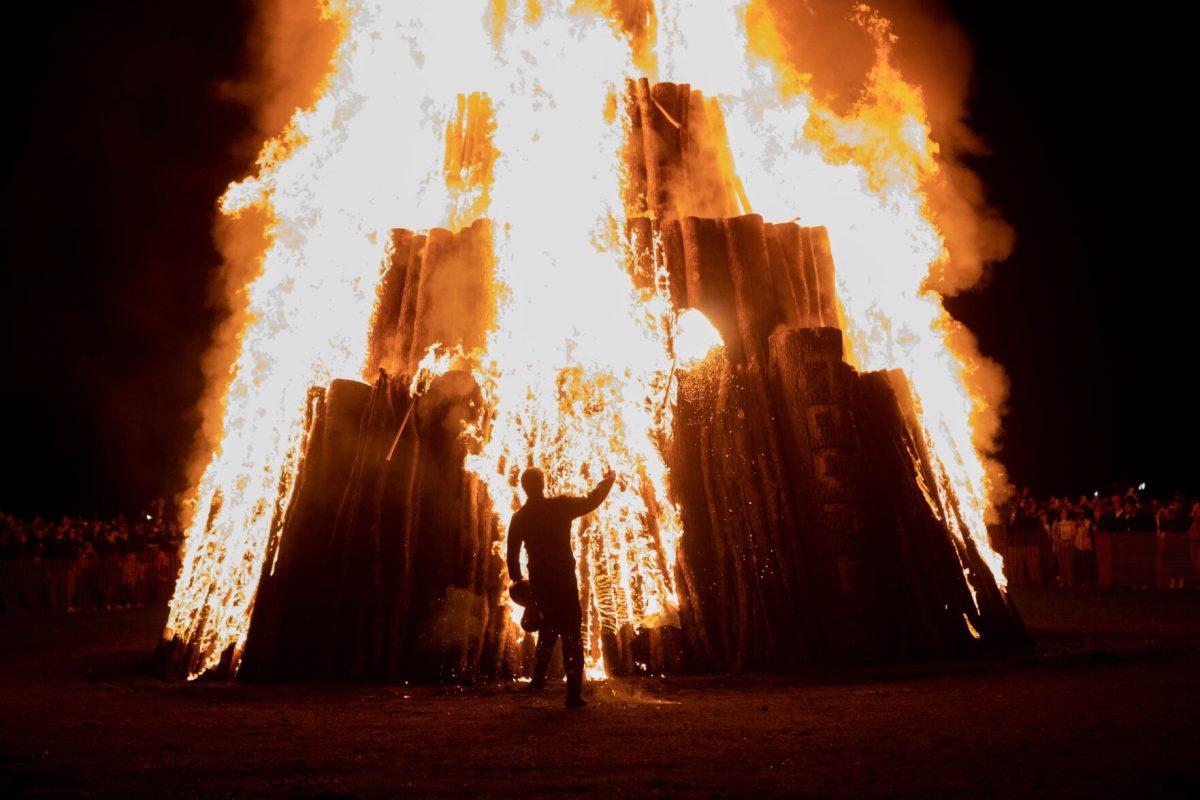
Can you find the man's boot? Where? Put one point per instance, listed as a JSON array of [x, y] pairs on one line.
[[575, 689]]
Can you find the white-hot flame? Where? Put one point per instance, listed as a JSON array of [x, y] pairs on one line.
[[576, 360], [575, 366], [861, 176], [364, 157]]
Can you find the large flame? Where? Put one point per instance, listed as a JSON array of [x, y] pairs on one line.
[[577, 362], [861, 175], [366, 155]]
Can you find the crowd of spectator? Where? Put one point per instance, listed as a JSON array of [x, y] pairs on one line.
[[75, 563], [1118, 538], [1122, 538]]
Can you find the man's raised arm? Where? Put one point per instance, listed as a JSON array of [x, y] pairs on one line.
[[581, 506]]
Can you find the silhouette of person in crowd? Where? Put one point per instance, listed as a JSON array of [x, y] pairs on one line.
[[543, 525]]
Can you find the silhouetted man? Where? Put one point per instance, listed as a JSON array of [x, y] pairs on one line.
[[543, 525]]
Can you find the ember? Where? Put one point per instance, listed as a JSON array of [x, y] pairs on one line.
[[784, 508]]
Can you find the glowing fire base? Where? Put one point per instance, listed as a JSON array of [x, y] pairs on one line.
[[816, 525], [810, 532]]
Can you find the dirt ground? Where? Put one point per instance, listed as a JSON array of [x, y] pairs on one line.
[[1106, 705]]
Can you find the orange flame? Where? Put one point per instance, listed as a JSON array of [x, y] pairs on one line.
[[577, 361], [861, 175]]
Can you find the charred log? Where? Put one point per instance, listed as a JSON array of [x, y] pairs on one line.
[[677, 155], [807, 548], [435, 290], [386, 568], [746, 276], [813, 528]]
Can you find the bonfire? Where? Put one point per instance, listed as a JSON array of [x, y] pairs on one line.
[[583, 238]]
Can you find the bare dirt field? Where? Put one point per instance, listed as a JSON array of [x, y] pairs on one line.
[[1107, 704]]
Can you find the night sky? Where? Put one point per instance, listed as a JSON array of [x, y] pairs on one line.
[[118, 142]]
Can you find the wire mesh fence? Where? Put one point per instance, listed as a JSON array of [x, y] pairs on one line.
[[116, 580], [147, 577], [1148, 560]]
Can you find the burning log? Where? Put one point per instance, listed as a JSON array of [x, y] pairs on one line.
[[942, 598], [678, 155], [701, 565], [802, 271], [813, 550], [470, 157], [381, 348], [823, 299], [434, 291], [782, 255], [293, 625], [812, 524], [747, 277], [386, 569], [786, 557], [797, 547], [709, 284], [391, 337], [814, 389], [452, 302], [754, 306]]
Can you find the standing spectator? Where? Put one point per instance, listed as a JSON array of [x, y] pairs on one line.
[[1105, 526], [1085, 551], [1140, 516], [1048, 550], [1026, 536], [132, 576], [1174, 549], [165, 579], [1139, 547], [86, 562], [60, 555], [89, 592], [1062, 536]]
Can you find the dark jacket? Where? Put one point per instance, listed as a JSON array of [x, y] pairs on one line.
[[543, 526]]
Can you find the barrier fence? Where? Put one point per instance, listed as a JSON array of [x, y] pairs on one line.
[[117, 580], [121, 580], [1133, 560]]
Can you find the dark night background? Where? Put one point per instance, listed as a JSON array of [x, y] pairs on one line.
[[118, 144]]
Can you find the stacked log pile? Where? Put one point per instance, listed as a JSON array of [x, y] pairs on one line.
[[436, 289], [386, 567], [677, 155], [811, 528]]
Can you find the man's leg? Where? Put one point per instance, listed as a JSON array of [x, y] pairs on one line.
[[547, 636], [573, 665]]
